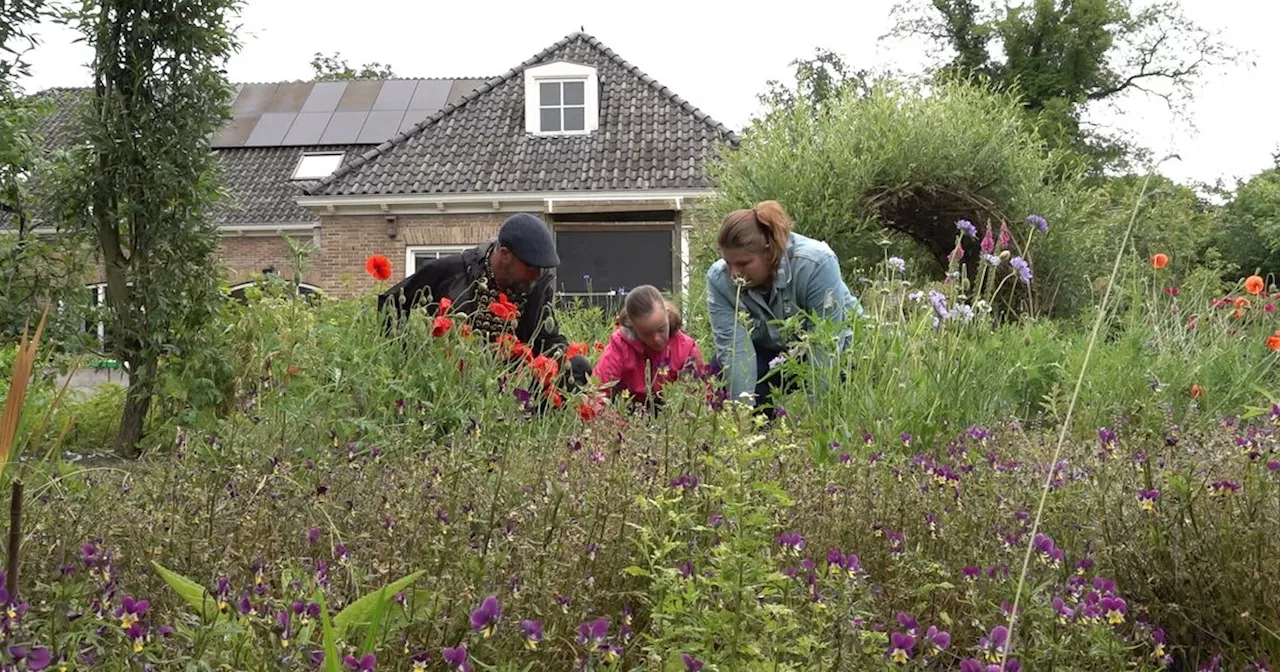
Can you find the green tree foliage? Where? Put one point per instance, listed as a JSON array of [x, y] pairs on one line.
[[1061, 55], [901, 164], [336, 69], [1250, 234], [34, 271], [142, 180]]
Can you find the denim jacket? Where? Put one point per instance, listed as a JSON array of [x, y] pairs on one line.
[[807, 280]]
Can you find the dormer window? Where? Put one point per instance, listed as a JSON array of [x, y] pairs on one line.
[[561, 99], [317, 166]]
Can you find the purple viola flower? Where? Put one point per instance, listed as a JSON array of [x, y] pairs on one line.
[[1147, 499], [685, 481], [994, 643], [456, 658], [313, 535], [137, 634], [791, 542], [1223, 488], [593, 633], [897, 265], [485, 619], [131, 611], [365, 664], [1107, 438], [900, 646], [971, 665], [1273, 465], [908, 623], [971, 572], [1023, 268], [35, 659], [1114, 608], [1039, 223], [532, 633], [284, 620], [691, 664], [1065, 613], [938, 638], [967, 228]]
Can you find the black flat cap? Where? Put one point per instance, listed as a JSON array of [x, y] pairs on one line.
[[529, 238]]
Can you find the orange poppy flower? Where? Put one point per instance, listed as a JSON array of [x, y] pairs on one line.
[[378, 266], [466, 330], [1254, 284], [503, 309], [576, 349], [1196, 391], [545, 369], [1273, 343], [1159, 260], [599, 346]]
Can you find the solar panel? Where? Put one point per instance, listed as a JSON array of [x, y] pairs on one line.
[[359, 96], [395, 95], [343, 128], [289, 97], [430, 94], [462, 87], [410, 118], [307, 128], [380, 126], [253, 99], [235, 132], [324, 97], [271, 129]]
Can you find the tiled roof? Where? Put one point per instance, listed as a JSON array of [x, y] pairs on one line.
[[648, 138], [259, 185], [258, 178]]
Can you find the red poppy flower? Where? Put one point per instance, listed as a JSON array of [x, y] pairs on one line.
[[599, 346], [1159, 261], [378, 266], [503, 309], [557, 401], [545, 369], [441, 326], [576, 349], [587, 412], [466, 330], [445, 304], [1196, 391], [1171, 291]]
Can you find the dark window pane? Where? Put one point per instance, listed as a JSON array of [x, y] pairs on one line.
[[602, 260], [573, 93], [549, 93], [550, 119], [574, 118]]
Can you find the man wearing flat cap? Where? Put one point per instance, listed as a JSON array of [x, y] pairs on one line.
[[520, 263]]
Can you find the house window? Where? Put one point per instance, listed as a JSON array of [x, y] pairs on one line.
[[562, 107], [416, 257], [239, 292], [561, 98], [316, 166]]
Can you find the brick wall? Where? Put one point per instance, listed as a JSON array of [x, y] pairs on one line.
[[247, 256], [347, 240]]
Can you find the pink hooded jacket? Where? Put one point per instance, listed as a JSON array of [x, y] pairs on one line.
[[629, 363]]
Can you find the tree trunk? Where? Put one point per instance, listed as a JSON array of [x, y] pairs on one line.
[[137, 403]]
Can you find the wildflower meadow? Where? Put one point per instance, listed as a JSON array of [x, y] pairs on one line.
[[975, 491]]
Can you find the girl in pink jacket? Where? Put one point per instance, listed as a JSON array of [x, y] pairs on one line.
[[648, 346]]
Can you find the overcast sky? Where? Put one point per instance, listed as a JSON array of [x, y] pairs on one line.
[[718, 55]]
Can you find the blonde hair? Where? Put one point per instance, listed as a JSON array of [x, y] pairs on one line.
[[642, 301], [762, 229]]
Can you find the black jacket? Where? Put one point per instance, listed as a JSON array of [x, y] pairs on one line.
[[457, 277]]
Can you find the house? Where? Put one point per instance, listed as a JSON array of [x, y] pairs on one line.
[[416, 169]]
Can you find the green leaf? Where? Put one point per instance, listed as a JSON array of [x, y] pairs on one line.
[[194, 594], [330, 637], [379, 613], [362, 610], [635, 570]]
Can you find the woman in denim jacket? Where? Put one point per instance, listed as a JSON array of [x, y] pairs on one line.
[[770, 273]]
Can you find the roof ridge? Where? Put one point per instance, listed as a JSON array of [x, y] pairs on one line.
[[664, 90], [494, 82], [448, 109]]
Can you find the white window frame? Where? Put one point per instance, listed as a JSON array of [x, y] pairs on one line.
[[309, 155], [559, 73], [410, 252], [101, 288], [250, 283]]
